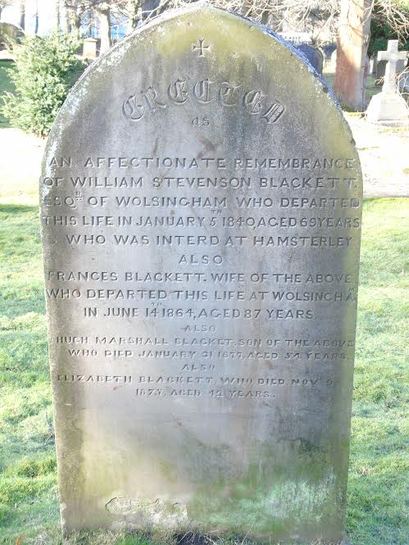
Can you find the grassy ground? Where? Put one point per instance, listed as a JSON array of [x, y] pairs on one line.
[[371, 86], [6, 68], [379, 472], [378, 512]]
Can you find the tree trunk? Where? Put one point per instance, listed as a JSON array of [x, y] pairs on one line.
[[67, 15], [74, 23], [22, 8], [265, 17], [104, 16], [133, 8], [352, 46], [73, 17], [63, 16], [36, 19], [58, 15]]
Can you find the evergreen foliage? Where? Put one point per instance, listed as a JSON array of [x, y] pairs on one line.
[[46, 69]]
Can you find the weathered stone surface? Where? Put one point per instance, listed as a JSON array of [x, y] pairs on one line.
[[201, 216]]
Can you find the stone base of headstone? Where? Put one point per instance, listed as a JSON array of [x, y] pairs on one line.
[[388, 109]]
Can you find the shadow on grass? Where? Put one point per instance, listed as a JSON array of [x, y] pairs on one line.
[[17, 208]]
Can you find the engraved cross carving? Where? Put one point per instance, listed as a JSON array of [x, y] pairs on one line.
[[200, 47], [392, 56]]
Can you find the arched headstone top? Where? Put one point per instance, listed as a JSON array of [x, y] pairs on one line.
[[155, 86]]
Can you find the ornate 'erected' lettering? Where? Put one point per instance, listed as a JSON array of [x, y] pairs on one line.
[[203, 91]]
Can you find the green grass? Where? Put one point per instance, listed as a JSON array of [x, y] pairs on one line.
[[379, 471], [6, 67], [378, 506]]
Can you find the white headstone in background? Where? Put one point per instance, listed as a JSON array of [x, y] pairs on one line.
[[388, 107], [89, 50]]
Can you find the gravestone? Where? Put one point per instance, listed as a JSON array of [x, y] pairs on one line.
[[90, 49], [313, 55], [10, 35], [372, 65], [381, 61], [380, 68], [201, 202], [403, 82], [328, 50], [367, 67], [389, 107], [333, 62]]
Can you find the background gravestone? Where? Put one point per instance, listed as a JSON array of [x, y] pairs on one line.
[[328, 50], [389, 106], [332, 66], [201, 200], [381, 68], [313, 55], [372, 65], [10, 35], [90, 48]]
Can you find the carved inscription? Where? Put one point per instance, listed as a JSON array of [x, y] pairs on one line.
[[224, 94], [202, 290]]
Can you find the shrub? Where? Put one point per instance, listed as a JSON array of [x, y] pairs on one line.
[[46, 68]]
